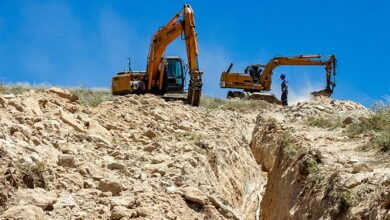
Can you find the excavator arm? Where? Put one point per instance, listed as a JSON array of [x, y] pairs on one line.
[[303, 60], [161, 39], [258, 78]]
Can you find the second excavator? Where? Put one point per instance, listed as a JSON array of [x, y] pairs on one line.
[[258, 78], [166, 75]]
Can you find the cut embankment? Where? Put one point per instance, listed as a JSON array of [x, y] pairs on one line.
[[319, 172]]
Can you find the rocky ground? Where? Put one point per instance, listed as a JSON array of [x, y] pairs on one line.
[[320, 173], [142, 157], [133, 157]]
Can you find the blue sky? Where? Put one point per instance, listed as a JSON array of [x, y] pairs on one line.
[[84, 43]]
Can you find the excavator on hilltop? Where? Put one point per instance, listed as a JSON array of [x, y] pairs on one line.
[[166, 76], [258, 78]]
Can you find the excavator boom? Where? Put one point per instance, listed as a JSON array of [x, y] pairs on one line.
[[161, 72], [161, 39]]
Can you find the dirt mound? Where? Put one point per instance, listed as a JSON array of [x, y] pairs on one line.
[[142, 157], [325, 107], [135, 156]]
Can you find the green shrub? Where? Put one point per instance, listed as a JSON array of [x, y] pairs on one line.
[[379, 123], [285, 139]]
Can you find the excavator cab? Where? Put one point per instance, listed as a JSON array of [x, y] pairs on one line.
[[254, 71], [174, 75]]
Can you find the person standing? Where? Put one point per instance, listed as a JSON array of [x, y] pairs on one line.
[[284, 87]]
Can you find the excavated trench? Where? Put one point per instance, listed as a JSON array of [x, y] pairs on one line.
[[317, 174]]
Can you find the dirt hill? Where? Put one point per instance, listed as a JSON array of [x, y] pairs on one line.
[[142, 157]]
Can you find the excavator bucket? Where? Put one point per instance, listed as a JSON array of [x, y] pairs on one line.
[[324, 92]]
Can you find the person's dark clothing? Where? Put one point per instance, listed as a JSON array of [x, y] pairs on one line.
[[284, 92]]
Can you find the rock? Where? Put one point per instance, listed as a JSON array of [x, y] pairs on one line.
[[319, 107], [119, 212], [25, 212], [71, 121], [37, 197], [354, 181], [75, 179], [157, 168], [116, 166], [150, 134], [26, 131], [66, 161], [32, 105], [100, 141], [110, 186], [126, 201], [89, 184], [35, 141], [105, 194], [95, 128], [193, 194], [160, 158], [386, 200], [145, 211], [63, 93], [226, 211], [361, 167], [348, 121], [133, 101], [66, 200], [3, 102], [16, 104]]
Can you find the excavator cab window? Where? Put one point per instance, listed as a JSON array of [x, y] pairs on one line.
[[175, 73], [254, 71]]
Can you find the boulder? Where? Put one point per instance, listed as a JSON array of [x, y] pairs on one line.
[[37, 197], [361, 168], [3, 102], [110, 186], [63, 93], [126, 201], [156, 168], [68, 119], [31, 104], [65, 160], [146, 211], [195, 195], [150, 134], [160, 158], [66, 200], [115, 166], [17, 104], [119, 212], [95, 128], [25, 212]]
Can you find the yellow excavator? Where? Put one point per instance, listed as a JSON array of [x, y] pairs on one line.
[[165, 75], [258, 78]]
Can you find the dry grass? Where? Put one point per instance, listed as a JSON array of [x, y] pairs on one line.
[[233, 104], [88, 96], [19, 88], [325, 122], [92, 97]]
